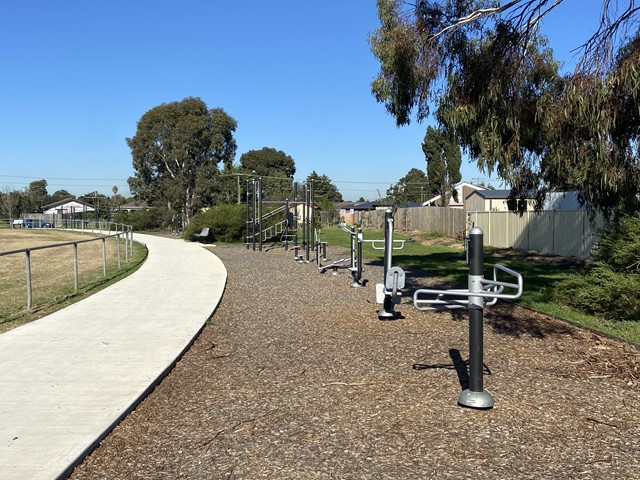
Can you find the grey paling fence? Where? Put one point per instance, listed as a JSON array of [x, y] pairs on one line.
[[104, 228], [570, 233]]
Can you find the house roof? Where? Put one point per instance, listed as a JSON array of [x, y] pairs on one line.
[[68, 205], [568, 200], [366, 205], [492, 194], [460, 186]]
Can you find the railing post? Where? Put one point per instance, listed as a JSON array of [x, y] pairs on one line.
[[75, 266], [104, 257], [28, 268], [118, 248], [126, 247]]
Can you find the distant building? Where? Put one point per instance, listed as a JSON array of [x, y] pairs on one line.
[[463, 189], [351, 213], [68, 207], [498, 201]]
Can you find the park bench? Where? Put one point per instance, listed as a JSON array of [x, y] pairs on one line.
[[204, 235]]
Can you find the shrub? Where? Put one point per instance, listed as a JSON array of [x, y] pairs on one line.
[[619, 247], [602, 291], [151, 219], [226, 223], [611, 286]]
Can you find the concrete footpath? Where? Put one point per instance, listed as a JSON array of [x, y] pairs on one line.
[[67, 379]]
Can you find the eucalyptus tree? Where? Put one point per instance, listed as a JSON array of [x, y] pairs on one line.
[[176, 151], [275, 166], [484, 69], [413, 187], [442, 153], [323, 188]]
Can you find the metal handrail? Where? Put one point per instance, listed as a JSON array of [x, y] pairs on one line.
[[373, 244], [127, 232], [492, 289]]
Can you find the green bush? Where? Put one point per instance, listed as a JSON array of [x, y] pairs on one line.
[[226, 223], [151, 219], [603, 292], [619, 247], [611, 286]]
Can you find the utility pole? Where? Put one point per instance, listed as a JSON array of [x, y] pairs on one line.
[[238, 180]]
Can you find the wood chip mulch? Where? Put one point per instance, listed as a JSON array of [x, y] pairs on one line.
[[296, 378]]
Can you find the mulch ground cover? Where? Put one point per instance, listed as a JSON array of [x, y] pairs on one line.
[[296, 378]]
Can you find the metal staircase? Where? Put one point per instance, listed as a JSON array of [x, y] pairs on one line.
[[284, 232]]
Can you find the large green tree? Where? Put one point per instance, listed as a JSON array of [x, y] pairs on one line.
[[323, 188], [176, 152], [36, 196], [276, 169], [61, 194], [9, 202], [267, 162], [413, 187], [442, 153], [484, 69]]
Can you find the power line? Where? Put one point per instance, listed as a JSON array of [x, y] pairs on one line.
[[65, 178]]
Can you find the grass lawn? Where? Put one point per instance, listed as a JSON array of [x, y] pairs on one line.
[[445, 258], [52, 271]]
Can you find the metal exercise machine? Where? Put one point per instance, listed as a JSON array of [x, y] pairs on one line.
[[388, 293], [307, 223], [256, 234], [481, 292], [355, 264]]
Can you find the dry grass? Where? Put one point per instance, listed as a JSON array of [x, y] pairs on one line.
[[51, 271]]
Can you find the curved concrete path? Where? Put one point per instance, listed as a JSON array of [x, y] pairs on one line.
[[67, 379]]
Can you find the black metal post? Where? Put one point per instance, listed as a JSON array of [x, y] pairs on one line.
[[308, 234], [260, 213], [253, 214], [312, 214], [246, 237], [475, 396], [286, 224]]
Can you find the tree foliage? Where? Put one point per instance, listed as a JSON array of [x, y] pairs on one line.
[[413, 187], [323, 188], [484, 70], [611, 286], [9, 202], [60, 195], [36, 196], [176, 152], [442, 153], [276, 169], [268, 162]]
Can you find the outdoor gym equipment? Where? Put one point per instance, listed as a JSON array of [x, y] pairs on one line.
[[388, 293], [354, 266], [481, 292], [255, 231]]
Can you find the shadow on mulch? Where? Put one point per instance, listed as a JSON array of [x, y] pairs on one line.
[[457, 363]]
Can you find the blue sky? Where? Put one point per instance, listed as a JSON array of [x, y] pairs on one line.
[[78, 75]]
